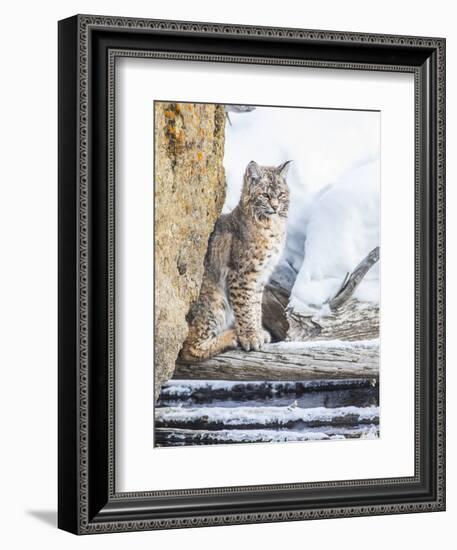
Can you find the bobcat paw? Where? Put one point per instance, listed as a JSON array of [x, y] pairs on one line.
[[252, 341], [266, 337], [233, 341]]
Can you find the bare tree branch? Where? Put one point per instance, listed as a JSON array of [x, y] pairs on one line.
[[352, 281]]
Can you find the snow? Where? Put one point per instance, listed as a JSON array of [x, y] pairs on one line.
[[182, 388], [341, 229], [236, 416], [333, 220], [371, 433], [187, 388], [323, 144], [265, 435]]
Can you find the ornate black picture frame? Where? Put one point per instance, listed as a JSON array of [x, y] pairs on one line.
[[88, 501]]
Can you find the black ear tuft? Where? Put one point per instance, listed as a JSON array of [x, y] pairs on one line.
[[284, 168]]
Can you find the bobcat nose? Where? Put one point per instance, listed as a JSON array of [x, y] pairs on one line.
[[274, 205]]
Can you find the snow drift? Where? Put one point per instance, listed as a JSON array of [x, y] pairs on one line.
[[334, 185]]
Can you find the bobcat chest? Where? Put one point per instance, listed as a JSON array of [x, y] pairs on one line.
[[271, 249]]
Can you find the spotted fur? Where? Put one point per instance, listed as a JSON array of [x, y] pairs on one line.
[[243, 250]]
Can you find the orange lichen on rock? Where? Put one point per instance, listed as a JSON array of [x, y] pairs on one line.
[[189, 194]]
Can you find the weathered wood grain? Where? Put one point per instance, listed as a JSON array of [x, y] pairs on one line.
[[345, 319], [305, 361], [274, 304], [353, 321]]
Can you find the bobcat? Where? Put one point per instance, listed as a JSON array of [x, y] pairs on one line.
[[243, 250]]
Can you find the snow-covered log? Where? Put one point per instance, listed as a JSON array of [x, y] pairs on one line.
[[290, 361], [183, 436], [202, 390], [219, 418]]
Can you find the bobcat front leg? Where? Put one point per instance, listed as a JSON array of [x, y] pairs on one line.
[[266, 334], [246, 300]]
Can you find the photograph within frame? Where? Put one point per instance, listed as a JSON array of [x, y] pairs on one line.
[[231, 235]]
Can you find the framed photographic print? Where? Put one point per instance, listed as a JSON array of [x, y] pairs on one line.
[[251, 274]]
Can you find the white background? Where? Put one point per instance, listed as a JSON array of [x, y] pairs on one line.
[[29, 274], [139, 466]]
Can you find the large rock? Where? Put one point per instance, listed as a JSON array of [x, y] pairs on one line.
[[189, 195]]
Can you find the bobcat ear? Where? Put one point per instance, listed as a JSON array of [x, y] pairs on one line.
[[284, 168], [253, 171]]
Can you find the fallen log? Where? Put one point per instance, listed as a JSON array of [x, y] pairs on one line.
[[204, 390], [342, 318], [248, 418], [291, 361], [275, 300], [353, 321], [274, 305], [166, 437], [352, 281]]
